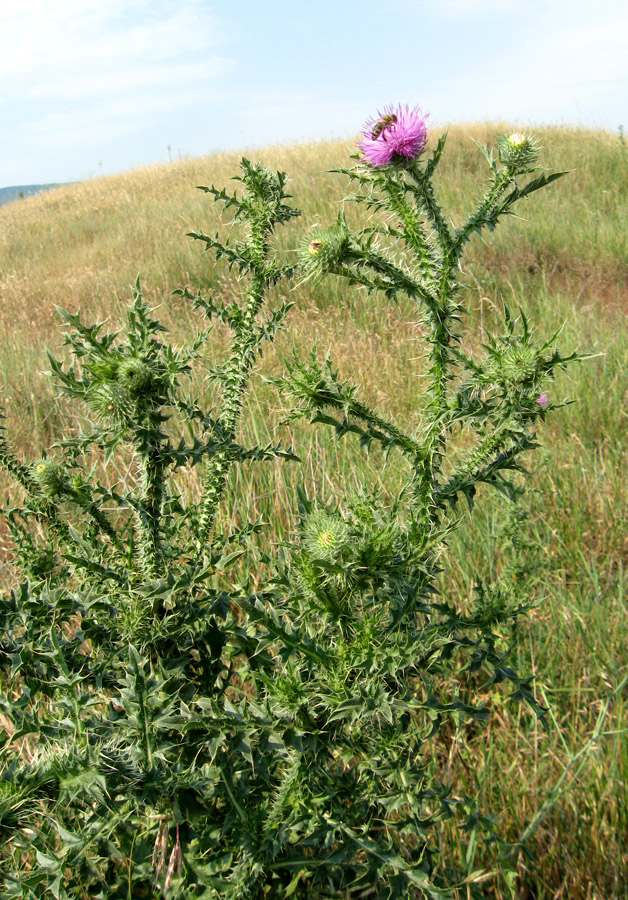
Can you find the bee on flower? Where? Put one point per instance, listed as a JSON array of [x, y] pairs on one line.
[[398, 134]]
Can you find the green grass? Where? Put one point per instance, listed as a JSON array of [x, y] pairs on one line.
[[566, 262]]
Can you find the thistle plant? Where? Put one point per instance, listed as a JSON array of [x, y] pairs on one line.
[[177, 730]]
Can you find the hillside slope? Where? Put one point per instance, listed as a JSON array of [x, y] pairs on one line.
[[82, 242], [20, 191]]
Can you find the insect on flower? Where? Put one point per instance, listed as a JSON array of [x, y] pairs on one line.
[[382, 124]]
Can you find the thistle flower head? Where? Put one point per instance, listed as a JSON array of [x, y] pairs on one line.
[[542, 400], [518, 152], [397, 134]]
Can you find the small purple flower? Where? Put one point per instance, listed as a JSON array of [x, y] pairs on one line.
[[542, 400], [396, 134]]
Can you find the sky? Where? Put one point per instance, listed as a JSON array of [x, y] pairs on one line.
[[94, 87]]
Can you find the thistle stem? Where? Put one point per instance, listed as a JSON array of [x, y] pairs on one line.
[[501, 181], [150, 508], [415, 237], [237, 372]]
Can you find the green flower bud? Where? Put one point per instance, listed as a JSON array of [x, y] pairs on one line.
[[113, 403], [76, 481], [518, 152], [325, 536], [138, 376], [326, 249], [50, 477], [517, 366]]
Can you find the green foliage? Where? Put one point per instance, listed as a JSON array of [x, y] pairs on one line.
[[175, 730]]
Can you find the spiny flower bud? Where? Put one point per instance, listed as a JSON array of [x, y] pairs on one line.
[[113, 403], [138, 376], [518, 152], [325, 536], [517, 365], [50, 477], [326, 249], [76, 482]]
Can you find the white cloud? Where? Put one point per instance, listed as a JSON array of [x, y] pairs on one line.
[[479, 7], [135, 77], [567, 68], [95, 63], [549, 15], [462, 9], [116, 117], [89, 79]]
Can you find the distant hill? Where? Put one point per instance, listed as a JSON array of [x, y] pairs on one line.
[[25, 190]]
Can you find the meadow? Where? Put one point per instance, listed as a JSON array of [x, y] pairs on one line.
[[565, 791]]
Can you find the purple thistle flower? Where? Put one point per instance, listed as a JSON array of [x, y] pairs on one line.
[[542, 400], [396, 134]]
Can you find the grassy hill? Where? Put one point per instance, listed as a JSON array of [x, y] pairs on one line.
[[7, 194], [567, 262]]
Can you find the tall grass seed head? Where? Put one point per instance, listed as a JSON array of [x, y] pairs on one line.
[[518, 152], [396, 135], [325, 536]]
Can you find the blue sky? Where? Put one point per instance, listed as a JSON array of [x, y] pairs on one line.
[[99, 86]]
